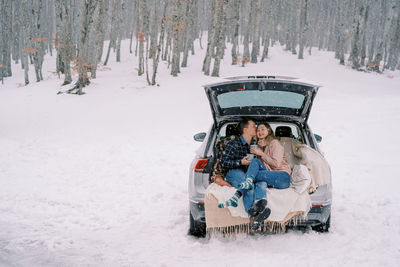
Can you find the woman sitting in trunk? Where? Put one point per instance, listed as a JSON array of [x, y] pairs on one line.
[[270, 165]]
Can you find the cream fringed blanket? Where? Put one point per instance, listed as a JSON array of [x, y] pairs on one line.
[[287, 205]]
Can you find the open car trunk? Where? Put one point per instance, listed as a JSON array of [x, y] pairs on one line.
[[261, 96], [312, 207]]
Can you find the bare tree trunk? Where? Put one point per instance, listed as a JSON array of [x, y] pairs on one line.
[[167, 45], [268, 30], [121, 8], [154, 31], [16, 32], [37, 39], [394, 42], [303, 27], [375, 17], [137, 27], [293, 32], [385, 25], [96, 38], [246, 38], [134, 26], [114, 30], [5, 41], [141, 34], [220, 36], [363, 52], [176, 29], [25, 44], [188, 40], [256, 9], [86, 12], [354, 55], [147, 63], [50, 25], [156, 59], [211, 39], [100, 28], [339, 30], [235, 39], [64, 45]]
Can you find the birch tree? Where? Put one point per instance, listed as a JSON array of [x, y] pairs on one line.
[[37, 39], [340, 32], [246, 40], [177, 26], [120, 11], [255, 13], [303, 27], [268, 30], [63, 39], [87, 10], [101, 27], [385, 25], [394, 42], [5, 42], [141, 35], [220, 35], [188, 31], [363, 52], [114, 29], [156, 58], [235, 37], [16, 31], [25, 43], [211, 38]]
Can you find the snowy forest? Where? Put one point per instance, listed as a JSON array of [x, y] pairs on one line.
[[78, 34], [102, 101]]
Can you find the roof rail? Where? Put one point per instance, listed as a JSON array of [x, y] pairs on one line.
[[260, 77]]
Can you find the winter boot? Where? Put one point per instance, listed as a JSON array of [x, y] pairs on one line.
[[257, 207]]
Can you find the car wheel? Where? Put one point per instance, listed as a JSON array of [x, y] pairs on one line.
[[197, 228], [323, 227]]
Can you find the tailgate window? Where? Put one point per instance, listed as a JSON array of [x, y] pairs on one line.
[[256, 98]]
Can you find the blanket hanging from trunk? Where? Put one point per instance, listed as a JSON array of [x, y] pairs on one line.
[[287, 205]]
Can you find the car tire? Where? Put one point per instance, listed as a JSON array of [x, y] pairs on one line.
[[197, 228], [323, 227]]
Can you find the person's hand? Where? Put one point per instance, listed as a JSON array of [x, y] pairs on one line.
[[261, 143], [256, 151], [220, 181], [244, 161]]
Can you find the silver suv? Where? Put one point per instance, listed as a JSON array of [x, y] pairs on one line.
[[285, 103]]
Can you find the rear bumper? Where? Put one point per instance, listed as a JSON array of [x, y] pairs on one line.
[[315, 216]]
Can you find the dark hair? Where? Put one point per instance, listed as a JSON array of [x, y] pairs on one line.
[[244, 122]]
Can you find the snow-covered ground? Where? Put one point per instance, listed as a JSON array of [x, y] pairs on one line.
[[101, 179]]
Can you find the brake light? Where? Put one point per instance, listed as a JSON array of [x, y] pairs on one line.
[[317, 205], [240, 89], [201, 165]]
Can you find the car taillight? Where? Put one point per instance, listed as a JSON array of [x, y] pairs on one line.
[[201, 165]]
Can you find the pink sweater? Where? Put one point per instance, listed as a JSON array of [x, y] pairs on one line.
[[274, 157]]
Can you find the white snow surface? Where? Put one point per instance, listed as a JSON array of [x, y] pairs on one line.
[[101, 179]]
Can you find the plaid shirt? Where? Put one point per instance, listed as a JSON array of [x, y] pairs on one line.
[[235, 151]]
